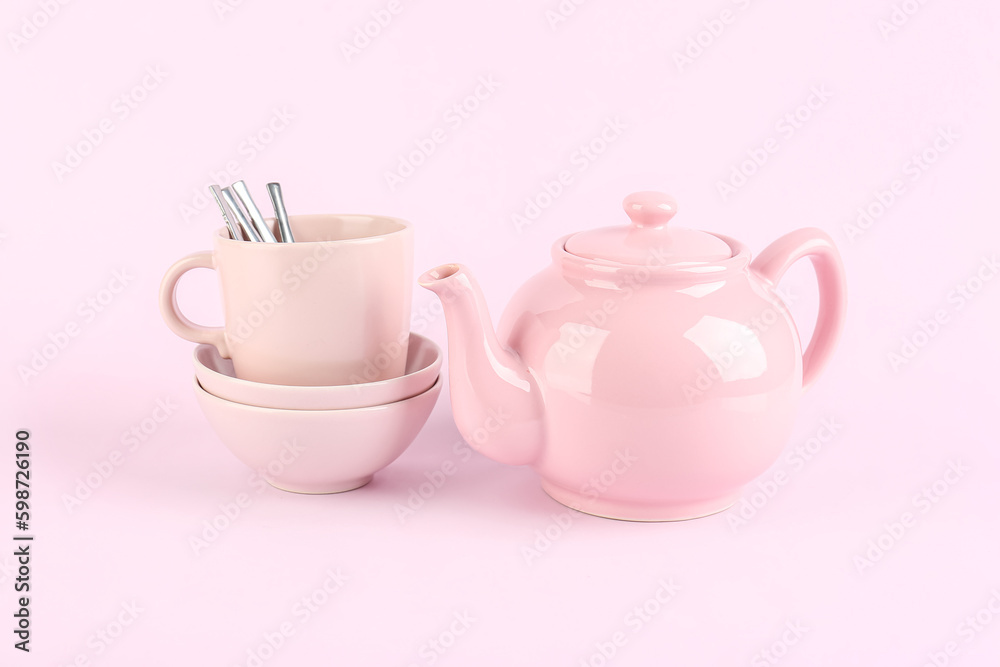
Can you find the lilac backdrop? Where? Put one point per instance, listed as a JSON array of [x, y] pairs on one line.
[[117, 114]]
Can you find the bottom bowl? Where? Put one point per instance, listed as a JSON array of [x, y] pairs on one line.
[[318, 451]]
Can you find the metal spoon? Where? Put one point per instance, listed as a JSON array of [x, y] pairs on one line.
[[234, 229], [240, 188], [274, 190], [241, 217]]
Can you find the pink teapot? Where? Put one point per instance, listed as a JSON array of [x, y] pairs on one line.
[[649, 372]]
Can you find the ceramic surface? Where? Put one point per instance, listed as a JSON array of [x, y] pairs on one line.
[[318, 451], [331, 308], [649, 388], [217, 376]]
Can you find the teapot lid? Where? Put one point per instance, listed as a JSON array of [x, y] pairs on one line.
[[649, 238]]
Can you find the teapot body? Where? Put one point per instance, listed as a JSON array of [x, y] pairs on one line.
[[649, 372], [664, 392]]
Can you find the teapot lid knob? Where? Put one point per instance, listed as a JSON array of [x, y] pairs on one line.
[[633, 244], [650, 209]]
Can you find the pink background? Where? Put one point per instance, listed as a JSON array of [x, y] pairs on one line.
[[793, 564]]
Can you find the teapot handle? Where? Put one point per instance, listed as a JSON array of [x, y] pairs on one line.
[[817, 245]]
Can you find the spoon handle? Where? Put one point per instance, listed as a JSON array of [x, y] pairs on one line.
[[278, 202], [241, 190], [234, 229], [241, 217]]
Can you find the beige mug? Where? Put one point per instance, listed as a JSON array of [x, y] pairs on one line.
[[331, 308]]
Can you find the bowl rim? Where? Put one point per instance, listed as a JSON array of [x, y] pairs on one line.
[[309, 389], [199, 390]]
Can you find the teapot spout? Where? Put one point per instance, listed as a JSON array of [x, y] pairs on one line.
[[495, 401]]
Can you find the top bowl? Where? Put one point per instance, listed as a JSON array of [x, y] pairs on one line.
[[217, 377]]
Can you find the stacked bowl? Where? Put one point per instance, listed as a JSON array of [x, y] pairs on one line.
[[318, 439]]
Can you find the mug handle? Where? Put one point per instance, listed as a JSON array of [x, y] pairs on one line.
[[170, 310], [817, 245]]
